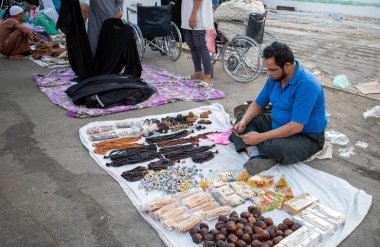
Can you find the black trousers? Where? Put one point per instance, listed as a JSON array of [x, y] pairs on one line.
[[286, 150]]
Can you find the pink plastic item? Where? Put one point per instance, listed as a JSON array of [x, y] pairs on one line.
[[220, 137]]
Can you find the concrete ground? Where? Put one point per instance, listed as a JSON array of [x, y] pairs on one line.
[[53, 194]]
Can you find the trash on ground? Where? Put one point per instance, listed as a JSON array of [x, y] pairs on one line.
[[369, 88], [336, 137], [361, 144], [341, 81], [346, 152], [373, 112]]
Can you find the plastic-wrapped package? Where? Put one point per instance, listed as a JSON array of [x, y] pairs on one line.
[[173, 213], [157, 203], [323, 225], [205, 206], [197, 201], [303, 237], [183, 195], [99, 129], [187, 224], [298, 203], [327, 214], [243, 190], [171, 223], [277, 197], [228, 176], [215, 213], [128, 124], [103, 136], [159, 212], [261, 181], [263, 202]]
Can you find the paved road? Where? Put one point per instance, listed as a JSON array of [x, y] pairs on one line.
[[53, 194]]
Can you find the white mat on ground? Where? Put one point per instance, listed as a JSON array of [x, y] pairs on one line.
[[332, 191], [51, 62]]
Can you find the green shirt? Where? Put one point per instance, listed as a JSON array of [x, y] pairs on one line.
[[46, 23]]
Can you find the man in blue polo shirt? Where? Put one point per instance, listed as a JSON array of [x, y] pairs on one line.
[[294, 130]]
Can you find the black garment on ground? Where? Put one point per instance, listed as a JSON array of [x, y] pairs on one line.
[[110, 90], [287, 150], [117, 49], [71, 23]]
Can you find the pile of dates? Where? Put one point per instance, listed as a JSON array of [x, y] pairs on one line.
[[250, 229]]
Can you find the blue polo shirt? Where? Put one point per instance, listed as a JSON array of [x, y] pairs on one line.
[[302, 101]]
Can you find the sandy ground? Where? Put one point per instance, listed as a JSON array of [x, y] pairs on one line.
[[53, 194]]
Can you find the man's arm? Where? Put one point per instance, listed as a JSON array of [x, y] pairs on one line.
[[289, 129], [193, 17]]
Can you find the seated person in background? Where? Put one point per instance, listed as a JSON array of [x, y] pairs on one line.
[[14, 36], [45, 20], [294, 130]]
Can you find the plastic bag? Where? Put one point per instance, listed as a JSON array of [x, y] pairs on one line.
[[341, 81], [373, 112], [336, 137]]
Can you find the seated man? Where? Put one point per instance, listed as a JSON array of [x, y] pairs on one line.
[[45, 20], [14, 35], [294, 130]]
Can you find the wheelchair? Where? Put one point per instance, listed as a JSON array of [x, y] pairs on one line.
[[241, 57], [156, 30]]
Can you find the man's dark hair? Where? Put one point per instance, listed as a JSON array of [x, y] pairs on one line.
[[281, 53]]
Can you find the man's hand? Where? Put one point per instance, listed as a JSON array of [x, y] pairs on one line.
[[252, 138], [240, 126], [193, 21]]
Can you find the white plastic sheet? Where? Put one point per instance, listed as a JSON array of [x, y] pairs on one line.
[[373, 112], [332, 191]]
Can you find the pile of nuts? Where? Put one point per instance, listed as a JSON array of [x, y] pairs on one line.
[[250, 229]]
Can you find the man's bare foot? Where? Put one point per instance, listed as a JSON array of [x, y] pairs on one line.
[[18, 57]]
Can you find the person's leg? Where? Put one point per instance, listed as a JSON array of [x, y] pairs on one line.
[[203, 53], [16, 45], [197, 62], [261, 123], [292, 149]]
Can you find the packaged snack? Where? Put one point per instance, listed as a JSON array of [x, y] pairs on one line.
[[216, 183], [204, 184], [215, 213], [99, 129], [263, 202], [326, 214], [281, 184], [197, 201], [172, 214], [243, 190], [225, 190], [103, 136], [303, 237], [205, 206], [316, 221], [170, 223], [244, 176], [295, 205], [228, 176], [277, 197], [261, 181], [182, 195], [159, 212], [157, 203], [187, 224]]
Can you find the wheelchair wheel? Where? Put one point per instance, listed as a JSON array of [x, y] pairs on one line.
[[173, 43], [267, 40], [140, 42], [241, 59]]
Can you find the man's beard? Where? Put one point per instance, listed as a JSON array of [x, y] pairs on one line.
[[282, 77]]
